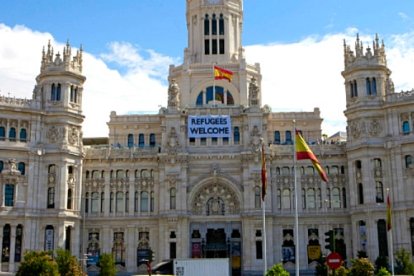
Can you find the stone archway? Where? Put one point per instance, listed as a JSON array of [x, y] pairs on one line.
[[215, 198]]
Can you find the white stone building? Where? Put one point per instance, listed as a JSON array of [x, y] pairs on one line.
[[151, 185]]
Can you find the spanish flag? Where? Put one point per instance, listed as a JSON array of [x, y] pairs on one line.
[[304, 152], [264, 174], [220, 74], [389, 226]]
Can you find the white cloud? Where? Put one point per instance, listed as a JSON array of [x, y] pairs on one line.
[[296, 76]]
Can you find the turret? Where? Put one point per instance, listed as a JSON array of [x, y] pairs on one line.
[[367, 77], [60, 82]]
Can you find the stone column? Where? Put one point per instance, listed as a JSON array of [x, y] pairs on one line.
[[131, 263], [1, 244]]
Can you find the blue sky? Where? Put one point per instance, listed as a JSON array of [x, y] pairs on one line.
[[132, 42]]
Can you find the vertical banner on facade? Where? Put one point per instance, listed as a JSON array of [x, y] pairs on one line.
[[196, 250], [209, 126], [49, 239]]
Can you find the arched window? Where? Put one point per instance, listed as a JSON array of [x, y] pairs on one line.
[[70, 199], [310, 170], [379, 192], [288, 137], [130, 140], [127, 202], [68, 234], [152, 201], [102, 202], [214, 25], [95, 202], [23, 135], [5, 256], [53, 92], [408, 161], [311, 201], [336, 198], [286, 199], [111, 202], [279, 199], [144, 202], [173, 197], [257, 198], [344, 197], [368, 86], [215, 95], [303, 198], [406, 128], [49, 238], [360, 193], [9, 195], [12, 134], [58, 91], [22, 168], [374, 87], [351, 87], [236, 135], [199, 101], [2, 133], [277, 137], [152, 140], [119, 202], [141, 140], [355, 89], [51, 198], [1, 166], [19, 244], [206, 25], [73, 94], [221, 25]]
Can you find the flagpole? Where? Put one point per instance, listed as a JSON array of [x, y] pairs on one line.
[[263, 209], [296, 201], [214, 86], [389, 222]]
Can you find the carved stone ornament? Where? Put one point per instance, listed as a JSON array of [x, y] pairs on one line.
[[215, 199], [53, 134], [355, 129], [255, 138], [73, 136], [172, 143], [10, 168], [375, 127], [173, 94]]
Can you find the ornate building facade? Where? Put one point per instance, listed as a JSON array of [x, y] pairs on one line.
[[185, 183]]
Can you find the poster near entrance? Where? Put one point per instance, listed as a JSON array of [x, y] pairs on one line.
[[196, 250], [236, 255]]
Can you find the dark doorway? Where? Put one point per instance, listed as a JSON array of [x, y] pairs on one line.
[[216, 245]]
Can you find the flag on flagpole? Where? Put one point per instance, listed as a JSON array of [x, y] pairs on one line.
[[264, 176], [389, 226], [220, 74], [304, 152]]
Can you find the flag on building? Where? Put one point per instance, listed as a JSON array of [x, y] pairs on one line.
[[264, 176], [220, 74], [388, 212], [304, 152]]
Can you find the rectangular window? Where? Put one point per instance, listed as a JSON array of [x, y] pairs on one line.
[[173, 250], [192, 141], [203, 141], [259, 250], [141, 140], [9, 195], [221, 46], [214, 141], [206, 46], [214, 47]]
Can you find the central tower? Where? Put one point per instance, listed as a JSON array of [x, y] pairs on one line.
[[214, 39], [214, 29]]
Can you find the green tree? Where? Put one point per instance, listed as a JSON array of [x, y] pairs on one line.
[[107, 265], [362, 267], [38, 263], [68, 265], [404, 265], [383, 272], [342, 271], [321, 268], [277, 270]]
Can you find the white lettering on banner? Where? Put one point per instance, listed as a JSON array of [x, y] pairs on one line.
[[210, 126]]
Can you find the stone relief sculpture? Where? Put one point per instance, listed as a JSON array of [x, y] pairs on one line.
[[253, 92]]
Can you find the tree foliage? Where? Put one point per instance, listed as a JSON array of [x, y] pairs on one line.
[[404, 265], [380, 262], [362, 267], [107, 265], [277, 270], [383, 272], [68, 265], [38, 263]]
